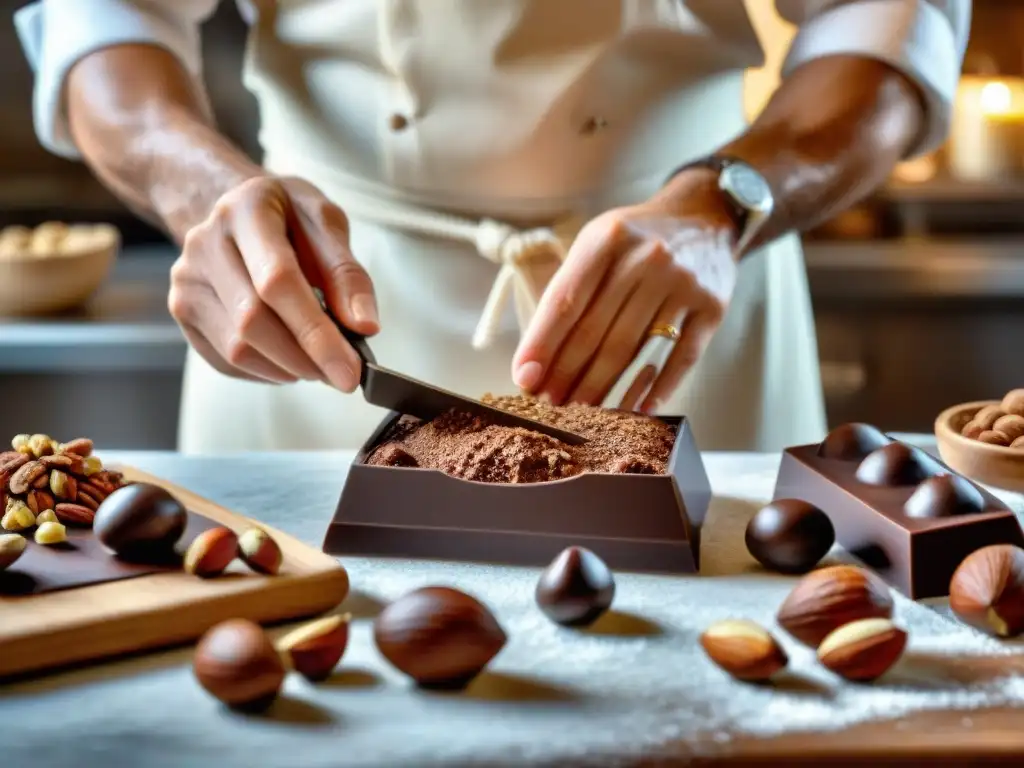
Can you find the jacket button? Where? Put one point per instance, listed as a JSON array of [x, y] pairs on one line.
[[398, 122]]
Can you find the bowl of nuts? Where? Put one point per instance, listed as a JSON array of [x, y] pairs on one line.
[[54, 267], [984, 440]]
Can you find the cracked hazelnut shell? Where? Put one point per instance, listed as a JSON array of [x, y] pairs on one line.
[[237, 664], [439, 636], [987, 590], [789, 536], [140, 521], [314, 649], [576, 588], [259, 551]]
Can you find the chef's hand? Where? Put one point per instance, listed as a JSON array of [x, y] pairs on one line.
[[241, 290], [668, 260]]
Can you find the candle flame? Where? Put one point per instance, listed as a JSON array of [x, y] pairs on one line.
[[995, 98]]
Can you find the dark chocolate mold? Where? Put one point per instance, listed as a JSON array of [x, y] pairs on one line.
[[852, 442], [913, 533], [638, 522]]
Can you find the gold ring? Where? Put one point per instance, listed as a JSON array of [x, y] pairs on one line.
[[665, 330]]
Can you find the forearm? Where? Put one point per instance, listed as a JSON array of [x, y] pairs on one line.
[[829, 136], [140, 126]]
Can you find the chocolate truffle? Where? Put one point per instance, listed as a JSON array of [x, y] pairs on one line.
[[140, 522], [576, 588], [440, 637], [852, 442], [893, 465], [789, 536], [944, 496]]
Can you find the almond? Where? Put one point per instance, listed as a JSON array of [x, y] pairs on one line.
[[826, 599], [987, 590], [863, 650], [744, 649]]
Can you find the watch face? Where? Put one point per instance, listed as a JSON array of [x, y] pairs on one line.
[[748, 187]]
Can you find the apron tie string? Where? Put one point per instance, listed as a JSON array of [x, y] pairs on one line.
[[515, 251]]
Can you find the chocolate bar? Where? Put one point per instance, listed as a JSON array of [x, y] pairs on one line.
[[640, 522], [901, 511]]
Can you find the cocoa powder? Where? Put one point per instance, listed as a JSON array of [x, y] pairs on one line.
[[468, 447]]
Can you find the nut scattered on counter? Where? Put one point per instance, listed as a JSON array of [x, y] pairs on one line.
[[43, 475], [259, 551], [440, 637], [1001, 424], [12, 546], [51, 533], [314, 650], [744, 649], [862, 650], [829, 598], [789, 536], [211, 552], [576, 588], [987, 590], [237, 664], [139, 522], [46, 516]]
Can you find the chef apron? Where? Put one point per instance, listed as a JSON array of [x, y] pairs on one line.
[[467, 141]]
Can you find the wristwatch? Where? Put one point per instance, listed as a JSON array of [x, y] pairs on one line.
[[745, 191]]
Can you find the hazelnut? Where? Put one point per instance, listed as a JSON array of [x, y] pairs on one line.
[[993, 437], [789, 536], [987, 590], [51, 533], [1018, 443], [1013, 402], [988, 416], [211, 552], [744, 649], [576, 588], [91, 465], [259, 551], [862, 650], [12, 546], [236, 663], [18, 517], [1010, 425], [20, 443], [314, 650], [826, 599], [63, 485], [438, 636]]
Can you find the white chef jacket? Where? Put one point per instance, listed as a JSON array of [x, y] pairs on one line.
[[501, 109]]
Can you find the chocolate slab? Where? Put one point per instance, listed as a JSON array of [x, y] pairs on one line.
[[83, 561], [633, 522], [914, 552]]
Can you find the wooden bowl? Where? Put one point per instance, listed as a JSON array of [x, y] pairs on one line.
[[54, 268], [993, 465]]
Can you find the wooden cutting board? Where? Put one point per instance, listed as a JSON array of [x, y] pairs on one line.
[[55, 629]]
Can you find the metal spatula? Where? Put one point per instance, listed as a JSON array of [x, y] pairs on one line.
[[389, 389]]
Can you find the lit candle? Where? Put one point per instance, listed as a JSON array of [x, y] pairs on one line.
[[987, 128]]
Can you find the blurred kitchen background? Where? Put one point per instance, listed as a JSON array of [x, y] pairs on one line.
[[919, 293]]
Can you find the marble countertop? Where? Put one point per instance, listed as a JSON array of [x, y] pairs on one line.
[[636, 686]]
